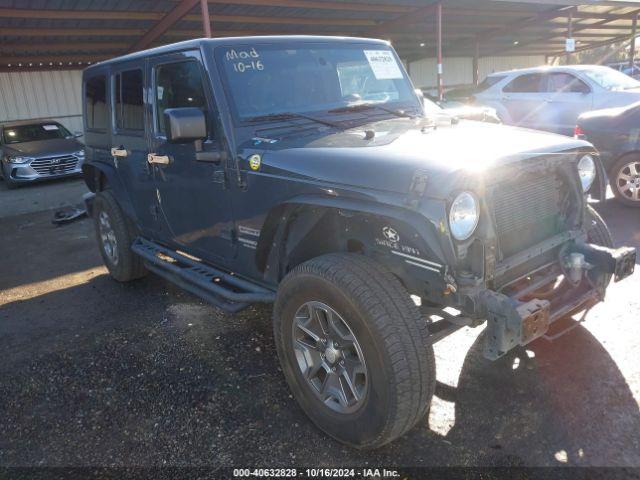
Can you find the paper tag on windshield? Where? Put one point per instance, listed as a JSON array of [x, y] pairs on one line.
[[50, 127], [383, 64]]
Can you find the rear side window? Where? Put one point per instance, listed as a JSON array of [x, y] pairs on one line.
[[178, 85], [529, 83], [96, 113], [129, 110]]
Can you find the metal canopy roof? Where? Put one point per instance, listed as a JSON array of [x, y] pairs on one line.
[[36, 34]]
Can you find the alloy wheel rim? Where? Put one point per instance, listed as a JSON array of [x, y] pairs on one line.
[[628, 181], [329, 357], [108, 237]]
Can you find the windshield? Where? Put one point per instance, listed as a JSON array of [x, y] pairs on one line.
[[265, 80], [35, 132], [612, 79]]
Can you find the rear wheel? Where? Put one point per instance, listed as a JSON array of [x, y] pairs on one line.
[[352, 347], [115, 235], [625, 180]]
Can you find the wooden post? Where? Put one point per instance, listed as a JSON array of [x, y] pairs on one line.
[[476, 64], [632, 47], [206, 20], [439, 42]]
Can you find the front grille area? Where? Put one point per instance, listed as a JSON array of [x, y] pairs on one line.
[[55, 165], [527, 211]]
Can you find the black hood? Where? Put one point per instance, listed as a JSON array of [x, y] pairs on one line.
[[402, 147], [44, 148]]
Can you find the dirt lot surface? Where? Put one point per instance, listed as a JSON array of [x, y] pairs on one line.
[[100, 373]]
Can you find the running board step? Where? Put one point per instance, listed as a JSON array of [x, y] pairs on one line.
[[224, 290]]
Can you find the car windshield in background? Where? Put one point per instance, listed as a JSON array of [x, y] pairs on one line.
[[34, 133], [612, 79], [266, 80]]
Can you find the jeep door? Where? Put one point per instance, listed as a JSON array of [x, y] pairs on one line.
[[129, 143], [191, 193]]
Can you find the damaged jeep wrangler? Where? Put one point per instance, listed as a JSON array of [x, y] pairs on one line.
[[306, 172]]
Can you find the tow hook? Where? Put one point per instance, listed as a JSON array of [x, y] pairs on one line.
[[575, 266]]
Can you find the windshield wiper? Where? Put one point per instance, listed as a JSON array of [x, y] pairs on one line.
[[359, 107], [292, 115]]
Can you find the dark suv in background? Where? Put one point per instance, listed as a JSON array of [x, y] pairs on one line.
[[31, 151], [304, 172]]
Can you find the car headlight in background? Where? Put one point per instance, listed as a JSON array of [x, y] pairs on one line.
[[19, 159], [587, 171], [463, 216]]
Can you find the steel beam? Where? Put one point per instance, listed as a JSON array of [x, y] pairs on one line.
[[206, 18], [168, 21]]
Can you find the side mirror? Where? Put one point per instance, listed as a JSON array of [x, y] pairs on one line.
[[420, 94], [186, 124], [77, 134]]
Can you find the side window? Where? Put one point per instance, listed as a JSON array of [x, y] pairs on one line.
[[96, 113], [178, 85], [528, 83], [561, 82], [129, 105]]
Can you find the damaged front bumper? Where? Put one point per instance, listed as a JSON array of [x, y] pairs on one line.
[[519, 317]]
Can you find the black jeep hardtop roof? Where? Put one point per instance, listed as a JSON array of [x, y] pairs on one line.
[[230, 41]]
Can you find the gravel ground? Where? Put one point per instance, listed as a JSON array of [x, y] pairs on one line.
[[142, 374]]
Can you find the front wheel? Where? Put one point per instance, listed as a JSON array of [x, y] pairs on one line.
[[354, 349]]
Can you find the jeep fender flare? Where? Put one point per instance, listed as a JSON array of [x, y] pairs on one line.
[[287, 237], [98, 175]]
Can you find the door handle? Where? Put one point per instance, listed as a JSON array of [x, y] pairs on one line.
[[119, 152], [158, 159]]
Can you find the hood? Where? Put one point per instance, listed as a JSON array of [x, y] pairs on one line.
[[42, 148], [402, 147]]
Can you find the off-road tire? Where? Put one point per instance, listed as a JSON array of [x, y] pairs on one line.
[[598, 233], [129, 266], [613, 179], [597, 230], [394, 340]]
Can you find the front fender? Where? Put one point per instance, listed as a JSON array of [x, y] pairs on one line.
[[99, 176], [313, 225]]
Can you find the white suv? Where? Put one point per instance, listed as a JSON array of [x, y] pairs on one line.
[[552, 98]]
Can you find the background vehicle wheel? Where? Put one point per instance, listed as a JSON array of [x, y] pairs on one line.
[[354, 349], [624, 178], [115, 235]]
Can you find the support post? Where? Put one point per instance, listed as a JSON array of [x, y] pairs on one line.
[[206, 19], [632, 46], [476, 64], [439, 42], [569, 33]]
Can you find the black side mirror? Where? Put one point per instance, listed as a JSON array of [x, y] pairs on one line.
[[186, 124]]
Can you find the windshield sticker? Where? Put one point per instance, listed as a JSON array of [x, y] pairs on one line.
[[383, 64], [160, 92], [244, 60], [49, 128]]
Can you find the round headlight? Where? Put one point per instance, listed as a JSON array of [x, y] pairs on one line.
[[463, 216], [587, 171]]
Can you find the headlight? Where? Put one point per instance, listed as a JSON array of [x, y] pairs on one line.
[[19, 159], [587, 171], [79, 153], [463, 216]]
